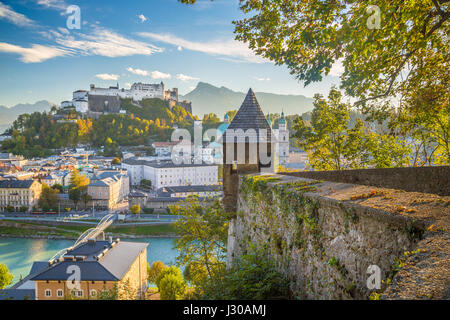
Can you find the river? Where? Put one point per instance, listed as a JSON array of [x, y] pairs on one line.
[[19, 253]]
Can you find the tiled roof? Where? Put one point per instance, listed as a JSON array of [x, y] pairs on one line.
[[17, 294], [249, 116], [112, 266], [16, 183]]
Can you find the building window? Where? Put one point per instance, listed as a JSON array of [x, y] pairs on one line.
[[80, 293], [48, 293], [93, 292], [59, 293]]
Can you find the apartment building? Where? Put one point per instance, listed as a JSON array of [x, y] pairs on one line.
[[108, 188], [168, 174], [19, 193], [103, 265]]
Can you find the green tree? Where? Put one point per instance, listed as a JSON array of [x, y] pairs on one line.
[[333, 143], [253, 276], [58, 187], [5, 276], [135, 209], [77, 187], [48, 199], [195, 273], [203, 231], [165, 271], [172, 287], [154, 271]]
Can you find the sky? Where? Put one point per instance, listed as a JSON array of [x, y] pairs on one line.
[[123, 42]]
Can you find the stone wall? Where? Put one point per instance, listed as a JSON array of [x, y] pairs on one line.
[[418, 179], [324, 235]]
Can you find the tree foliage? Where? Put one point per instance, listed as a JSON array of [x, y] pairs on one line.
[[36, 134], [333, 144], [253, 276], [5, 276], [135, 209], [154, 271], [202, 230], [49, 198], [172, 287]]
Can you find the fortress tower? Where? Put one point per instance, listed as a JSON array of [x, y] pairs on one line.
[[248, 147]]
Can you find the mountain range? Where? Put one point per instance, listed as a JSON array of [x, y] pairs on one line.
[[8, 115], [207, 98]]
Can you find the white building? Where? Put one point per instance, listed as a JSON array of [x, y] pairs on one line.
[[282, 145], [168, 174], [137, 92]]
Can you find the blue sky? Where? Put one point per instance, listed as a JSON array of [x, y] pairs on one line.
[[130, 41]]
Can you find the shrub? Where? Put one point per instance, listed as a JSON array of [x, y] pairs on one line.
[[154, 271], [252, 277], [165, 271], [5, 276], [172, 287]]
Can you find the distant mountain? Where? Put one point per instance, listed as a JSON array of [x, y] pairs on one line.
[[8, 115], [207, 98]]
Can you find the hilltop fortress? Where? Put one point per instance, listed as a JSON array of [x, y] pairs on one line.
[[107, 100]]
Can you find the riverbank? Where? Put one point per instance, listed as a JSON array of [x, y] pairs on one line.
[[42, 231]]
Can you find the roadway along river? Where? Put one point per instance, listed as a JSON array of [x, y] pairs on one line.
[[19, 254]]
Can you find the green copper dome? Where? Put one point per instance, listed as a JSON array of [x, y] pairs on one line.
[[282, 119]]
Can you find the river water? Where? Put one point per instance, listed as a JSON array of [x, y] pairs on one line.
[[19, 254]]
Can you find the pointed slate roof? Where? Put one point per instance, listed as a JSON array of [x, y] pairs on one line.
[[250, 116]]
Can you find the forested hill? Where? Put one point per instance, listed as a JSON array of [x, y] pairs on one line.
[[8, 115], [36, 134], [207, 98]]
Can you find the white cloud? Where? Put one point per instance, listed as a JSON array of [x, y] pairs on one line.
[[7, 13], [142, 18], [229, 48], [127, 85], [107, 76], [36, 53], [106, 43], [100, 41], [179, 48], [337, 69], [160, 75], [139, 72], [54, 4], [262, 79], [185, 78]]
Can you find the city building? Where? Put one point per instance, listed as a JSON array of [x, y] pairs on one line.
[[282, 141], [104, 265], [168, 174], [108, 99], [108, 188], [19, 194]]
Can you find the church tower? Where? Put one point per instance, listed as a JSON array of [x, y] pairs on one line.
[[248, 147], [283, 141]]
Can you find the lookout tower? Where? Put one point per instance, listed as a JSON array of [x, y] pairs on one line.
[[248, 147]]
